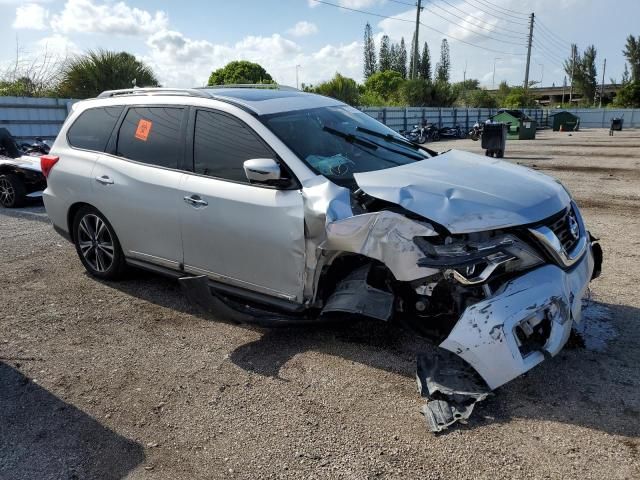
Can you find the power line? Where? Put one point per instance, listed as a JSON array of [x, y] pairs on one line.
[[403, 3], [551, 32], [521, 35], [493, 14], [502, 29], [468, 29], [421, 23], [552, 43], [499, 7]]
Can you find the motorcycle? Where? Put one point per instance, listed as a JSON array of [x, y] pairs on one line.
[[476, 132], [35, 149], [417, 134], [452, 132]]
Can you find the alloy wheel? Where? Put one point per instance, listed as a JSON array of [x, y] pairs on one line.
[[7, 192], [95, 242]]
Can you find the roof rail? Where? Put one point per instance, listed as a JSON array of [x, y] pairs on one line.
[[266, 86], [189, 92]]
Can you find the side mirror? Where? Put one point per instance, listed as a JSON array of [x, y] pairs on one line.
[[262, 170]]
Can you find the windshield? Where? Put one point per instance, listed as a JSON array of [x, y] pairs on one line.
[[339, 141]]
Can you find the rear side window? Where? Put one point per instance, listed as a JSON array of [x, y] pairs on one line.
[[222, 143], [152, 135], [92, 129]]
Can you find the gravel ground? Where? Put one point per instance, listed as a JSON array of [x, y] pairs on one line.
[[111, 380]]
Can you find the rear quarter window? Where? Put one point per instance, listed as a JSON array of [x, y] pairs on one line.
[[93, 127]]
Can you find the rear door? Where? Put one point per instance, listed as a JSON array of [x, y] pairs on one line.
[[137, 183], [247, 235]]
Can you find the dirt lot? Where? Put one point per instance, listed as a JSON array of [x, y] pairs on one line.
[[111, 380]]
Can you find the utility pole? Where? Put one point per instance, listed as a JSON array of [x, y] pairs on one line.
[[529, 41], [573, 66], [414, 69], [604, 67]]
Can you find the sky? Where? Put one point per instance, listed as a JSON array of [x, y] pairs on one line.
[[183, 41]]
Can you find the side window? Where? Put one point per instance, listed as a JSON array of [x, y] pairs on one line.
[[222, 143], [93, 127], [151, 135]]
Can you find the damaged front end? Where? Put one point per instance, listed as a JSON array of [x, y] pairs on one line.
[[500, 301]]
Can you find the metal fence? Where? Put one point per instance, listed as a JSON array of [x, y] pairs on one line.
[[399, 118], [27, 118]]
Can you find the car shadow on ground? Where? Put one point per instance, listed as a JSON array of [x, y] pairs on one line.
[[41, 436], [579, 386]]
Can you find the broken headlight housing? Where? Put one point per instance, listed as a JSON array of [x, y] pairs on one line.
[[472, 262]]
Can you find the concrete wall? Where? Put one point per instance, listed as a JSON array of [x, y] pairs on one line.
[[27, 118]]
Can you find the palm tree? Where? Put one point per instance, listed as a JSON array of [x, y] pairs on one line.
[[87, 75]]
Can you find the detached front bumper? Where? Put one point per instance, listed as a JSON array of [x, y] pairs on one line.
[[526, 320]]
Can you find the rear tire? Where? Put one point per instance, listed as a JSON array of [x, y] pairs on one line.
[[97, 245], [500, 154], [13, 193]]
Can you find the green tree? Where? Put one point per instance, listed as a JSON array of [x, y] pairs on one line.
[[480, 98], [369, 52], [402, 59], [393, 55], [503, 92], [239, 71], [384, 85], [413, 59], [340, 87], [518, 98], [632, 53], [416, 92], [87, 75], [589, 75], [384, 59], [443, 67], [629, 95], [443, 94], [425, 63]]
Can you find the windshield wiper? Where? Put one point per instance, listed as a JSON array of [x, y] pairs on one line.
[[350, 137], [399, 141]]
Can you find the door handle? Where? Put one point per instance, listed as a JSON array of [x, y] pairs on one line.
[[104, 180], [195, 201]]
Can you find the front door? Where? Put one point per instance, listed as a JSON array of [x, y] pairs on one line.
[[235, 232]]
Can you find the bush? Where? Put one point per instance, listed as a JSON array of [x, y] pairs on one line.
[[417, 93], [342, 88], [385, 85], [629, 95]]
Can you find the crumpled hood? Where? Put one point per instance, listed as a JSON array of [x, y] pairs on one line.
[[465, 192]]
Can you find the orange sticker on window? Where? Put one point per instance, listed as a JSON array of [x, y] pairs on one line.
[[143, 130]]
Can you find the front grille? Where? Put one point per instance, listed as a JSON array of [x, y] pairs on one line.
[[566, 229]]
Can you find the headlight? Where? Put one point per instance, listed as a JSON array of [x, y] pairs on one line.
[[473, 262]]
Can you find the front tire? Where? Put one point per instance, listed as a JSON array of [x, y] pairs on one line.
[[13, 193], [97, 245]]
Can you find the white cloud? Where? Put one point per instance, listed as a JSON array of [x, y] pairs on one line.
[[302, 29], [349, 3], [58, 45], [86, 16], [31, 16], [181, 61]]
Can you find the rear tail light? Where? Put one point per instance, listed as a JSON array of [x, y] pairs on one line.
[[46, 164]]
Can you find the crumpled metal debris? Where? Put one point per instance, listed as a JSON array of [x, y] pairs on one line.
[[452, 387]]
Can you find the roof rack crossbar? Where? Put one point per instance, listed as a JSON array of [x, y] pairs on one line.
[[189, 92]]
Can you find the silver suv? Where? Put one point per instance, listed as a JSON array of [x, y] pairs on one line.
[[277, 206]]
